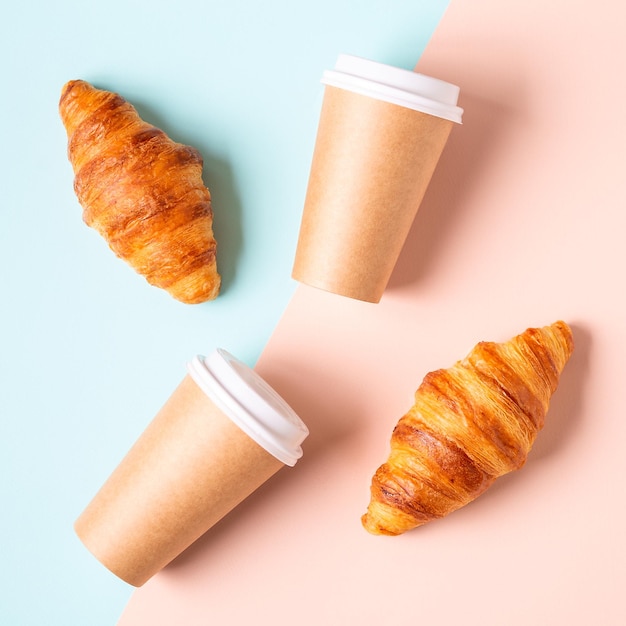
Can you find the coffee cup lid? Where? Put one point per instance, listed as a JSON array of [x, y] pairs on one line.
[[248, 400], [395, 85]]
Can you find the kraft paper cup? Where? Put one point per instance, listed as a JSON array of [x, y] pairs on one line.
[[223, 432], [381, 132]]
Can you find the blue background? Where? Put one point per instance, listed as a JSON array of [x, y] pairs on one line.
[[88, 350]]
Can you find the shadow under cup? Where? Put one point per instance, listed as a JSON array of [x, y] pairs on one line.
[[381, 132], [222, 433]]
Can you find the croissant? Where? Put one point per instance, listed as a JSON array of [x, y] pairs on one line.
[[469, 425], [142, 192]]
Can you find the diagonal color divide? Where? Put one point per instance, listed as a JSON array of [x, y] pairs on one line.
[[522, 225]]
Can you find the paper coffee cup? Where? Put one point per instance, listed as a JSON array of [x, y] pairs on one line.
[[381, 132], [223, 432]]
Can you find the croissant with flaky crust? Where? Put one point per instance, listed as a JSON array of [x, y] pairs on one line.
[[469, 425], [142, 192]]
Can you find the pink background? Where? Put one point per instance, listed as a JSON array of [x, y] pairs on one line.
[[522, 225]]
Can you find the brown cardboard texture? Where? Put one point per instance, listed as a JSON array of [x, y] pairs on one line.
[[371, 166], [190, 467]]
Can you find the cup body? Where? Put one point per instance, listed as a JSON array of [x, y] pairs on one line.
[[191, 466], [376, 149]]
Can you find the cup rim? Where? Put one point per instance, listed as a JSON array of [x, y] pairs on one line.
[[395, 85]]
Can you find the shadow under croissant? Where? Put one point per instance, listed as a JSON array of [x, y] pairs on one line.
[[217, 175]]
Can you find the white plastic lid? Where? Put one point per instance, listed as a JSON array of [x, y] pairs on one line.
[[240, 393], [395, 85]]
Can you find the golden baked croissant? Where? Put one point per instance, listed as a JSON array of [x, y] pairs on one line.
[[470, 424], [142, 192]]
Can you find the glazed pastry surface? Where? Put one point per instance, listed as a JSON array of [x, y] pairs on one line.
[[470, 424], [142, 192]]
